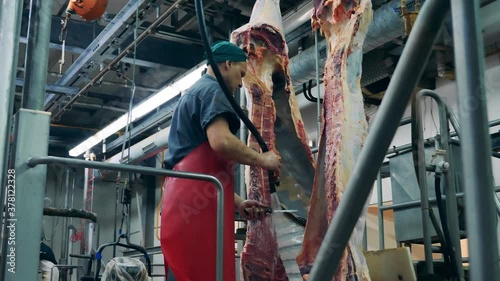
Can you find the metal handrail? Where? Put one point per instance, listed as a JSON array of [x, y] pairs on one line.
[[445, 115], [417, 203], [34, 161]]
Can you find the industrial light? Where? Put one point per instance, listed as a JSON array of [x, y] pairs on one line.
[[140, 110]]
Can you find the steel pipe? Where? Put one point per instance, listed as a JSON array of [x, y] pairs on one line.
[[32, 162], [476, 149], [380, 202], [406, 75], [449, 183], [69, 213]]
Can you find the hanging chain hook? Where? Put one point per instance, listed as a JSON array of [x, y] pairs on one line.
[[62, 38]]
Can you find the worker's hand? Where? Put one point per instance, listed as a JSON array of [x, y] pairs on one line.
[[252, 210], [271, 161]]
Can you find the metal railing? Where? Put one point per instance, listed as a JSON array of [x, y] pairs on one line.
[[33, 162]]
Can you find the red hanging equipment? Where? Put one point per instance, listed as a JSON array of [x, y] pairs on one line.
[[88, 9]]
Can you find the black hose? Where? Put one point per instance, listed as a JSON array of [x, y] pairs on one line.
[[442, 240], [307, 93], [444, 222], [210, 56]]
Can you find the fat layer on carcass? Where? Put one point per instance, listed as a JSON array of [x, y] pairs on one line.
[[272, 244], [344, 128]]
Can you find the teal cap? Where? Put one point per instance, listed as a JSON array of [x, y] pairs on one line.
[[227, 51]]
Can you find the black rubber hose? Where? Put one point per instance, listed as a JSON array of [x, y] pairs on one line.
[[444, 223], [442, 240], [310, 94], [210, 56]]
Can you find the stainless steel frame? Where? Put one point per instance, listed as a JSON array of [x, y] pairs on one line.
[[33, 162]]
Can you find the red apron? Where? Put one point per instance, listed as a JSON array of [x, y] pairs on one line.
[[189, 218]]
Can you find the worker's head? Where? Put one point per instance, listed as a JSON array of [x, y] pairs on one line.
[[232, 63]]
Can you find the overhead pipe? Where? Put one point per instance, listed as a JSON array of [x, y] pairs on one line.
[[298, 16]]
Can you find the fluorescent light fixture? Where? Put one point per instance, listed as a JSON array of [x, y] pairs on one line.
[[140, 110]]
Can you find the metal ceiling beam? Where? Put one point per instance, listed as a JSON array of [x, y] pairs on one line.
[[92, 105], [78, 50], [188, 19], [105, 43], [169, 32], [123, 53], [52, 88]]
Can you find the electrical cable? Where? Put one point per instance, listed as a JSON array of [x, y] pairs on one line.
[[444, 223], [210, 56]]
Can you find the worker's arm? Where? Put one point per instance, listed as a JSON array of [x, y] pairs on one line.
[[228, 146]]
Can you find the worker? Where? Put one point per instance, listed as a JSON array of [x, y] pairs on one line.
[[48, 270], [202, 140]]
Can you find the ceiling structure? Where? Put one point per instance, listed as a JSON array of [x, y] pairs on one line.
[[173, 48]]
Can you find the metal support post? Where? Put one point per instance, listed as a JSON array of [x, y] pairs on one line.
[[65, 240], [24, 220], [407, 73], [10, 22], [476, 143], [33, 162], [418, 143], [37, 54], [381, 232]]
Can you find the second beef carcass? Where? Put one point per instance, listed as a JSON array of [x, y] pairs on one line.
[[273, 244], [344, 128]]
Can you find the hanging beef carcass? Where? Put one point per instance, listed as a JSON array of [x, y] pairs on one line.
[[273, 244], [344, 128]]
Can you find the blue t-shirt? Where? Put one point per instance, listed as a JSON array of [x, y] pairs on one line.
[[200, 104]]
